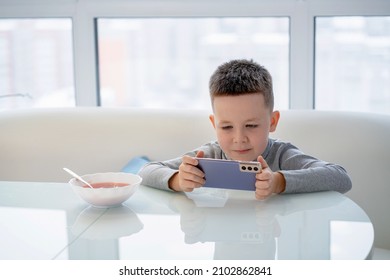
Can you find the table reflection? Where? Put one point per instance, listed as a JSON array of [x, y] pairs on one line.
[[106, 223], [244, 228], [48, 221], [241, 229]]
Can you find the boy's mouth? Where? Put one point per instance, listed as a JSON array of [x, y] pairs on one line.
[[243, 151]]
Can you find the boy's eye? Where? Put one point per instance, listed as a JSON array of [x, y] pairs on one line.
[[226, 127], [252, 125]]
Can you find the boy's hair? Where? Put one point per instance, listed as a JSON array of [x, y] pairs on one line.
[[238, 77]]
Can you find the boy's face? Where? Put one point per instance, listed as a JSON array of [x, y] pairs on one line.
[[242, 124]]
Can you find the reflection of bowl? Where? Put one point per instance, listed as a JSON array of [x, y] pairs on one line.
[[97, 223], [110, 189]]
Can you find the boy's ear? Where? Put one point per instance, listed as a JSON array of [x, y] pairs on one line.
[[212, 120], [274, 121]]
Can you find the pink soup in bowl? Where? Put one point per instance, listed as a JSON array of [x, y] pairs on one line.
[[110, 189]]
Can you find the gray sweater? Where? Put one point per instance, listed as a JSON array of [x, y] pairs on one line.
[[303, 173]]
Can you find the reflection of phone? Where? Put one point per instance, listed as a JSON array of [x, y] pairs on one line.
[[212, 228], [229, 174]]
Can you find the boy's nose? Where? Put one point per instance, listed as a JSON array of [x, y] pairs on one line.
[[240, 137]]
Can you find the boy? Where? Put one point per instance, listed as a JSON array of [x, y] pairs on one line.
[[243, 116]]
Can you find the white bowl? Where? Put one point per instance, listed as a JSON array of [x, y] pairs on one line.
[[105, 196]]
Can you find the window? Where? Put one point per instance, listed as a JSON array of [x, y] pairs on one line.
[[36, 63], [352, 61], [167, 62], [322, 54]]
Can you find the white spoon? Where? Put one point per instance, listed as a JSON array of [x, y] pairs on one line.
[[78, 177]]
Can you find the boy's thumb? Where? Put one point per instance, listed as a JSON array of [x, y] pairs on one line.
[[200, 154], [262, 161]]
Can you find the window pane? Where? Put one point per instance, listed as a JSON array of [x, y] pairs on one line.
[[353, 64], [167, 62], [36, 63]]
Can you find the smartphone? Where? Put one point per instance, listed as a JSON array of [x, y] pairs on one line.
[[229, 174]]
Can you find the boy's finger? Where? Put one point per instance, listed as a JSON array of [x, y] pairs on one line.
[[263, 176], [262, 161], [189, 160], [200, 154]]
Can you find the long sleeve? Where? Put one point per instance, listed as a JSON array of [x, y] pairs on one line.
[[157, 174], [304, 173]]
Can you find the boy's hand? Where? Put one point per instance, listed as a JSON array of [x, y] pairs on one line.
[[268, 182], [189, 176]]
